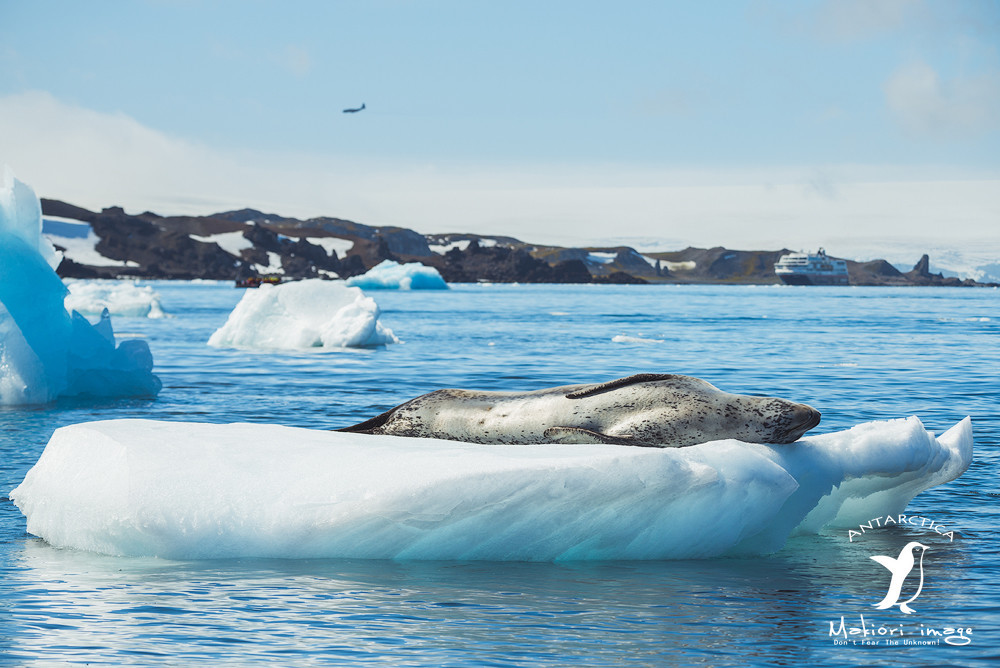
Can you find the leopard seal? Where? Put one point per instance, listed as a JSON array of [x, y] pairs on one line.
[[650, 410]]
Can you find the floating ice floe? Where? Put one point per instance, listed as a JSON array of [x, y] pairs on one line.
[[389, 275], [303, 314], [121, 298], [45, 352], [622, 338], [193, 491]]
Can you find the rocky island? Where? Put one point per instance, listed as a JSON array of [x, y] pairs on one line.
[[236, 245]]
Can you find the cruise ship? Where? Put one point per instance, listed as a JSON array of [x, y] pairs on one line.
[[811, 269]]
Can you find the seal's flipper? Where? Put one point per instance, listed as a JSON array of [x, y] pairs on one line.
[[621, 382], [588, 436], [375, 424], [369, 426]]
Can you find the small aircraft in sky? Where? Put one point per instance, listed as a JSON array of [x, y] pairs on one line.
[[355, 110]]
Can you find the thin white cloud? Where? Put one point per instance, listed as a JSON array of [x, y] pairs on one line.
[[296, 60], [928, 106], [95, 159], [923, 22], [840, 21], [847, 20]]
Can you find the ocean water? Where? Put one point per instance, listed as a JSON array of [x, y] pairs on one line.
[[856, 354]]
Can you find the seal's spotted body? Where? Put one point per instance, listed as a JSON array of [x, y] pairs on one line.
[[653, 410]]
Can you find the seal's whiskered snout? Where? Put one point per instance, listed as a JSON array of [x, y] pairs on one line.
[[814, 418], [809, 418], [804, 418]]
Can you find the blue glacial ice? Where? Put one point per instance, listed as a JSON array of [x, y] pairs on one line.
[[389, 275], [198, 491], [303, 314], [46, 352]]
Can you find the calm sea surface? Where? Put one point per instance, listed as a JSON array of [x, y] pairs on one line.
[[856, 354]]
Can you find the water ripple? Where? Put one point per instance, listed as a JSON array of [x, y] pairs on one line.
[[856, 354]]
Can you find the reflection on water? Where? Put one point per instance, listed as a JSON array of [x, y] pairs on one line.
[[70, 606]]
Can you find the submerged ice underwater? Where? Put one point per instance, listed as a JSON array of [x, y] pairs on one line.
[[144, 488]]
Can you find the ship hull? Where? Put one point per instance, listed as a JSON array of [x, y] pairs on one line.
[[813, 279]]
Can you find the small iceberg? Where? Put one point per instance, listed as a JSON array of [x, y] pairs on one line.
[[45, 351], [391, 275], [120, 298], [303, 314], [200, 491]]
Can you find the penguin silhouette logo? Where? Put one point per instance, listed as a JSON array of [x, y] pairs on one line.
[[901, 567]]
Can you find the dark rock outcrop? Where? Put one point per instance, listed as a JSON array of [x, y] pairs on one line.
[[498, 264], [921, 275], [53, 207], [254, 216], [719, 265], [880, 272], [876, 272], [400, 240]]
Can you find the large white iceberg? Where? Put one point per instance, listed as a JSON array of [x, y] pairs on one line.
[[189, 491], [121, 298], [304, 314], [45, 352], [389, 275]]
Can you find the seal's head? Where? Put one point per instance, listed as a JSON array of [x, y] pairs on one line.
[[777, 421]]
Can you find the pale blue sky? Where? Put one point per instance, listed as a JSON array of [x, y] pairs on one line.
[[471, 104]]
